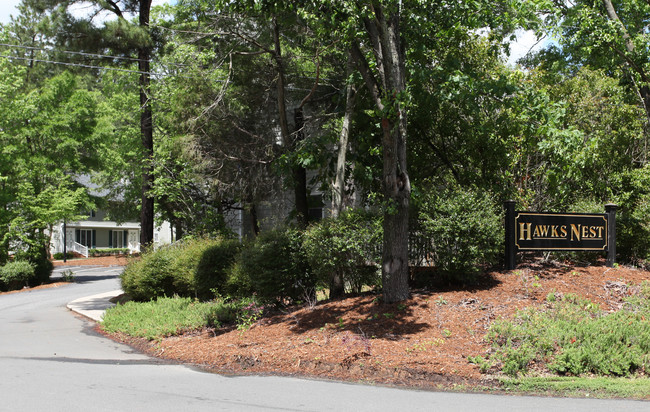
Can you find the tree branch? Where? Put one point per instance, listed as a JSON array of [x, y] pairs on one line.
[[113, 7], [366, 73]]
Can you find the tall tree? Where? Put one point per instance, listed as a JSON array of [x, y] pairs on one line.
[[388, 90], [121, 36], [609, 35]]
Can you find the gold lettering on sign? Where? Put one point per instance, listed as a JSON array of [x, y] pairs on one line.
[[575, 230], [525, 231], [563, 230], [554, 231]]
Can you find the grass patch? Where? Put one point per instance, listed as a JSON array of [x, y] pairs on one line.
[[597, 387], [158, 318], [165, 316]]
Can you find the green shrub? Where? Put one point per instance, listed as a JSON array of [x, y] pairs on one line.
[[59, 255], [212, 268], [17, 274], [274, 266], [242, 312], [149, 277], [572, 336], [38, 257], [173, 269], [108, 251], [345, 251], [633, 232], [466, 230]]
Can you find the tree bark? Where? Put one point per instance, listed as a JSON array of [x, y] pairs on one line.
[[389, 59], [146, 132], [300, 175], [338, 188]]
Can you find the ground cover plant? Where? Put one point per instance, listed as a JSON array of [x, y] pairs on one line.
[[167, 316], [571, 335]]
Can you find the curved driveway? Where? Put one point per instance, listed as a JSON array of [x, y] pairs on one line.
[[52, 360]]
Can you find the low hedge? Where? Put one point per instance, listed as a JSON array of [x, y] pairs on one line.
[[108, 252], [189, 268], [17, 274]]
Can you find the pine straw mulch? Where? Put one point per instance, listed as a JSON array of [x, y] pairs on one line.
[[423, 342]]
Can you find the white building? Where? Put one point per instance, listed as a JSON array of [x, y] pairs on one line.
[[97, 233]]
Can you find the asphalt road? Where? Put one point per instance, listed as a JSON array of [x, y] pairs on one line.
[[52, 360]]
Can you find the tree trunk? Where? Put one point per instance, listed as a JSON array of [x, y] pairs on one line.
[[146, 132], [385, 36], [254, 221], [338, 188], [300, 175]]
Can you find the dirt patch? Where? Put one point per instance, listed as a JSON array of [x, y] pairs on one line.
[[423, 342], [119, 260]]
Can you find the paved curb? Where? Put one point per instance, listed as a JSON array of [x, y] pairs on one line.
[[93, 307]]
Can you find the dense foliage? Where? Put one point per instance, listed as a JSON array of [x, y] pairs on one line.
[[243, 98], [16, 274], [465, 229], [189, 268], [344, 252], [274, 267], [573, 336]]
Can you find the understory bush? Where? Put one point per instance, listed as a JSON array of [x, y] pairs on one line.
[[466, 230], [178, 269], [212, 269], [573, 336], [59, 255], [17, 274], [344, 252], [37, 256], [274, 267]]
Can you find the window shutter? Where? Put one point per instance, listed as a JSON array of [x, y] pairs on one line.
[[77, 235], [94, 237], [110, 238], [125, 237]]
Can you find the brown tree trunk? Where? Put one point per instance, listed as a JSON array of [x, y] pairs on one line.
[[384, 34], [146, 132], [254, 221], [300, 175], [338, 188]]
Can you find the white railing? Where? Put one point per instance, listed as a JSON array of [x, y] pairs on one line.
[[78, 247]]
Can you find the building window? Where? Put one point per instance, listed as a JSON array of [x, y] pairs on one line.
[[85, 237], [118, 238], [315, 211]]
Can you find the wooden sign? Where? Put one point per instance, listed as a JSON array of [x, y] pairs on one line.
[[560, 231], [537, 231]]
